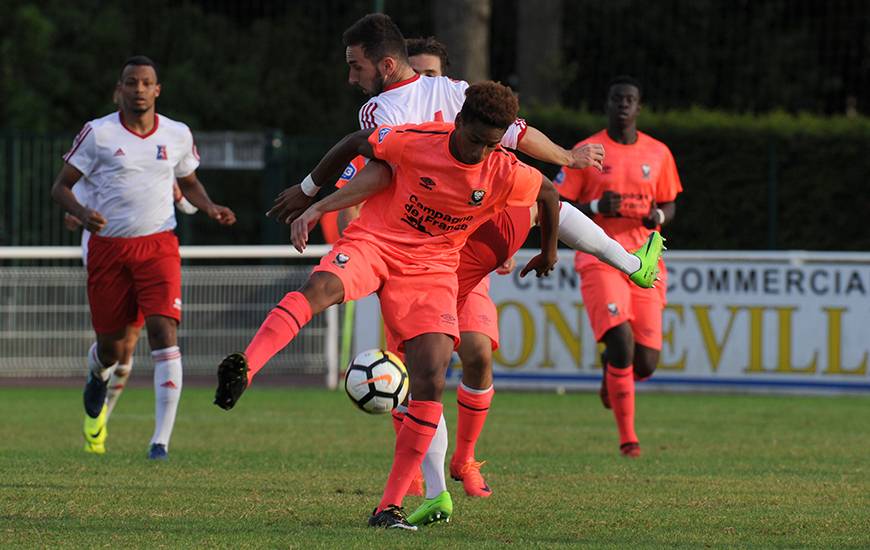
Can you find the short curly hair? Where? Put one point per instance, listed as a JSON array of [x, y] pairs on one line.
[[491, 103]]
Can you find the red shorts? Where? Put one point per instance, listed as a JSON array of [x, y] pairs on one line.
[[612, 299], [133, 278], [479, 314], [413, 302]]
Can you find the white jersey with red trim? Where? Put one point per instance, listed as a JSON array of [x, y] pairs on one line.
[[128, 177], [425, 99]]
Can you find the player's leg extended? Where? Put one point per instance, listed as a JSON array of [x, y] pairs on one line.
[[102, 360], [620, 385], [121, 373], [473, 396], [163, 339]]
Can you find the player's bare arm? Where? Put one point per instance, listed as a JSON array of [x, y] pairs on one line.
[[194, 191], [539, 146], [372, 179], [62, 194], [607, 204], [659, 214], [293, 201], [548, 218]]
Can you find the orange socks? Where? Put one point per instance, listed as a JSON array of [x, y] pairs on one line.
[[413, 440], [473, 408], [280, 327], [620, 389]]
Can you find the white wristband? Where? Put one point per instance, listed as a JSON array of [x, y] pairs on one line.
[[308, 186], [184, 205], [593, 206], [661, 215]]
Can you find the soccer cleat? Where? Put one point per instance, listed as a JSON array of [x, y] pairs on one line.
[[158, 452], [417, 485], [95, 395], [391, 517], [232, 380], [95, 433], [469, 474], [649, 255], [433, 510], [630, 450]]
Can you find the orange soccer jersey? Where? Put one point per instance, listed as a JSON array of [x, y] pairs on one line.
[[435, 201], [643, 172]]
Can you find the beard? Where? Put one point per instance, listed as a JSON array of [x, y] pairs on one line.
[[377, 83]]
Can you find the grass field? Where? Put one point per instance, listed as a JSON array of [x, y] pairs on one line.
[[300, 468]]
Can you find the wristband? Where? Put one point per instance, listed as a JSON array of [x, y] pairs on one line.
[[309, 187], [184, 205], [660, 214], [593, 206]]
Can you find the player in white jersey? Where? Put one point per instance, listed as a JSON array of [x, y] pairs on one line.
[[127, 163]]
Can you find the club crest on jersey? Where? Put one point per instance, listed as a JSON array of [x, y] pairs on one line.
[[161, 153], [612, 309], [476, 197], [560, 177], [645, 170], [349, 172], [382, 133], [341, 259]]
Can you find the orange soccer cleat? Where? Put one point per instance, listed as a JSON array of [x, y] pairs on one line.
[[469, 474]]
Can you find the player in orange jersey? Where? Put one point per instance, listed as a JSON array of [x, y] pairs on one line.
[[432, 185], [630, 198]]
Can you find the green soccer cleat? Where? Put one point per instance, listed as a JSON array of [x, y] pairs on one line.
[[95, 433], [649, 255], [433, 510]]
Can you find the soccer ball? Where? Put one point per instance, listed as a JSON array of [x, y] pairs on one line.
[[376, 381]]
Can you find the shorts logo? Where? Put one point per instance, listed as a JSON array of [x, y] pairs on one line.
[[448, 318], [560, 177], [161, 153], [382, 133], [645, 170], [341, 259], [476, 197], [427, 183], [177, 304], [612, 309], [349, 172]]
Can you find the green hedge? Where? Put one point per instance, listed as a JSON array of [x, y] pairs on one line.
[[816, 168]]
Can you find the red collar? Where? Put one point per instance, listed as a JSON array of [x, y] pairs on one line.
[[395, 85], [134, 132]]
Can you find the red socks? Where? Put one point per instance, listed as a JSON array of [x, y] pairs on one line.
[[473, 408], [280, 327], [398, 418], [412, 442], [620, 389]]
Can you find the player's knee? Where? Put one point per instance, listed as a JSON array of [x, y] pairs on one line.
[[642, 371], [645, 362], [322, 290]]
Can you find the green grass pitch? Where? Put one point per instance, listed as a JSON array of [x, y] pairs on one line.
[[302, 468]]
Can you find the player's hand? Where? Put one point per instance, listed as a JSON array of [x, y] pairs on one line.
[[71, 222], [588, 154], [609, 203], [651, 220], [507, 267], [542, 264], [290, 204], [302, 225], [222, 214], [92, 220]]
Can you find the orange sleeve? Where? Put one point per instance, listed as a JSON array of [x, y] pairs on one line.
[[527, 185], [668, 186], [387, 144], [569, 182], [351, 170]]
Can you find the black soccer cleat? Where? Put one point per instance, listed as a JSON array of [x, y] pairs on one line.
[[391, 517], [95, 394], [232, 380]]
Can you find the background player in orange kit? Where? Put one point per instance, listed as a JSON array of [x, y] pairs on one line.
[[408, 237], [631, 197]]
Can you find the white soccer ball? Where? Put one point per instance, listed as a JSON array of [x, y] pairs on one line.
[[376, 381]]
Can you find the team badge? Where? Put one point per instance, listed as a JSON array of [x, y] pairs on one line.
[[349, 172], [161, 153], [612, 309], [645, 170], [560, 177], [382, 133], [341, 259], [477, 197]]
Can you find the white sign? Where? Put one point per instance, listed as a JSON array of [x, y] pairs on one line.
[[773, 321]]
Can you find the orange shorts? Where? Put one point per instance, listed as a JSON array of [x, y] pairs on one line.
[[479, 314], [133, 278], [412, 303], [612, 299]]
